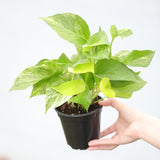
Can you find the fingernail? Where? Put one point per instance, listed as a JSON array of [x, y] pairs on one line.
[[89, 143], [99, 102]]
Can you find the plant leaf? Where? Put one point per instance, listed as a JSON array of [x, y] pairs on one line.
[[64, 59], [89, 79], [54, 99], [79, 49], [82, 66], [30, 76], [124, 89], [121, 94], [48, 64], [40, 87], [71, 88], [70, 27], [99, 38], [125, 33], [136, 58], [105, 87], [99, 52], [84, 98], [113, 31], [114, 70], [130, 87], [121, 55], [97, 80]]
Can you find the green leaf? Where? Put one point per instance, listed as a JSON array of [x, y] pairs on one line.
[[125, 33], [54, 99], [89, 79], [99, 38], [84, 98], [42, 62], [30, 76], [124, 89], [40, 87], [97, 80], [64, 59], [114, 70], [82, 66], [105, 87], [121, 55], [119, 93], [87, 49], [70, 27], [71, 88], [136, 58], [79, 49], [48, 64], [99, 52], [113, 31], [75, 58], [130, 87]]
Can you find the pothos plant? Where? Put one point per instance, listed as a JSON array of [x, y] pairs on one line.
[[92, 70]]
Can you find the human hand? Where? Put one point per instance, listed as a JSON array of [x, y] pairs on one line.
[[127, 128]]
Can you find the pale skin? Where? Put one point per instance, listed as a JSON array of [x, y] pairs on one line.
[[130, 126]]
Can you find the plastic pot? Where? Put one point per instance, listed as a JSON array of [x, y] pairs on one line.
[[80, 129]]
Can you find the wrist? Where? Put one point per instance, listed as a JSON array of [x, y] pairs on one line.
[[149, 130]]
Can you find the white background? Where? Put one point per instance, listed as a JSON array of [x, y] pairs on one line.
[[26, 133]]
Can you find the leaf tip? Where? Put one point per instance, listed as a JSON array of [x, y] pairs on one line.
[[46, 110], [10, 89], [41, 18]]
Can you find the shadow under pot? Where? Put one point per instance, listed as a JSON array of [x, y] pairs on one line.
[[80, 129]]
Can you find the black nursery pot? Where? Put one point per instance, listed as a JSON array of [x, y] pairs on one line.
[[80, 129]]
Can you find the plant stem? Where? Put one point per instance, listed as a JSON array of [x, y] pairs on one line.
[[95, 92], [79, 49], [72, 76], [98, 100], [110, 52], [78, 76], [72, 105]]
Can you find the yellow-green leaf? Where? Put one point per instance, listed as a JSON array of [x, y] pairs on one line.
[[82, 67], [99, 38], [84, 98], [54, 99], [114, 31], [71, 88], [105, 87], [114, 70], [70, 27]]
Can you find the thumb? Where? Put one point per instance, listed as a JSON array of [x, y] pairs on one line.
[[112, 102]]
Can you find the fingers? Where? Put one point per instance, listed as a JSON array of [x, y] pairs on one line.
[[102, 147], [103, 144], [112, 102], [107, 141], [107, 131]]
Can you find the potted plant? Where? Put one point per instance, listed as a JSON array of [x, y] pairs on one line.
[[72, 85]]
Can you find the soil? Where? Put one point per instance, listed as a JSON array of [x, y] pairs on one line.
[[77, 109]]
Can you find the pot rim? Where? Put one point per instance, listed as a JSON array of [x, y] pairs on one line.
[[79, 115]]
